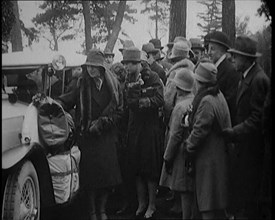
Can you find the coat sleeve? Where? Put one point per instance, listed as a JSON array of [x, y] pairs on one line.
[[157, 100], [202, 125], [176, 132], [68, 100], [260, 86]]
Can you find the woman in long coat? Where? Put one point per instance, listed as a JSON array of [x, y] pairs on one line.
[[174, 175], [206, 145], [98, 103], [144, 95]]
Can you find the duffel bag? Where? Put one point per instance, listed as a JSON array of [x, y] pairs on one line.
[[64, 169]]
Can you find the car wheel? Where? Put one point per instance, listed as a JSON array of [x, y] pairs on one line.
[[21, 199]]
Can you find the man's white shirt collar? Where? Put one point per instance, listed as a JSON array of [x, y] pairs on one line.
[[249, 68], [220, 60]]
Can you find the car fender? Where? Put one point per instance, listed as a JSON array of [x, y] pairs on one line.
[[35, 153], [15, 154]]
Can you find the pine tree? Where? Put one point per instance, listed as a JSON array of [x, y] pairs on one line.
[[212, 18]]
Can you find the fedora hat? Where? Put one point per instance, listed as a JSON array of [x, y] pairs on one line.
[[149, 48], [126, 44], [206, 72], [196, 43], [245, 46], [131, 54], [179, 49], [184, 79], [95, 57], [219, 38], [107, 51], [157, 43]]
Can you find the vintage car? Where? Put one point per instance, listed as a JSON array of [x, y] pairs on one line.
[[27, 188]]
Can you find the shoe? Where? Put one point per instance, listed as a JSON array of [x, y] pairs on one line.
[[140, 215], [152, 216], [92, 216], [102, 216], [124, 210]]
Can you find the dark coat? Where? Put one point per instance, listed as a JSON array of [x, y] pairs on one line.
[[143, 140], [178, 180], [159, 70], [98, 165], [228, 79], [249, 150], [210, 153]]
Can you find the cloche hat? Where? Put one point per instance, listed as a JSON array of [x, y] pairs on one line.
[[245, 46], [95, 57], [206, 72], [184, 79]]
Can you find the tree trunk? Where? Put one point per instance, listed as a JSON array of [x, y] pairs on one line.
[[117, 25], [156, 19], [177, 23], [16, 36], [88, 25], [228, 19]]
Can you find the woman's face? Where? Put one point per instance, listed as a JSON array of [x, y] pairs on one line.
[[93, 71]]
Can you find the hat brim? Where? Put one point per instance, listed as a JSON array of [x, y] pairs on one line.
[[200, 79], [111, 54], [128, 61], [181, 87], [243, 53], [218, 42], [94, 64]]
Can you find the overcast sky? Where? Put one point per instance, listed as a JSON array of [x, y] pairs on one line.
[[139, 32]]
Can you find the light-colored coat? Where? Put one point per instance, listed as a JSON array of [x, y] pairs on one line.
[[210, 152], [178, 180]]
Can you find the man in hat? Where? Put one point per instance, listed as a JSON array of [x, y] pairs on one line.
[[144, 97], [197, 48], [98, 102], [247, 130], [227, 76], [154, 65], [109, 57]]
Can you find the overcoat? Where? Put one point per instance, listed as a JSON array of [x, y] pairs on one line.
[[228, 79], [99, 166], [143, 141], [249, 148], [210, 152], [178, 180]]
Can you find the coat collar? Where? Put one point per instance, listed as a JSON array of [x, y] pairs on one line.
[[247, 81]]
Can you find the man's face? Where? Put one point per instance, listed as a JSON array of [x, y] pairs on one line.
[[93, 71], [215, 51], [109, 59], [36, 75], [239, 62]]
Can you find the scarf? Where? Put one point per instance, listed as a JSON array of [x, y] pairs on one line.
[[209, 90]]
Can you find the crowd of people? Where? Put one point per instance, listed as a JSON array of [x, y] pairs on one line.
[[190, 121]]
